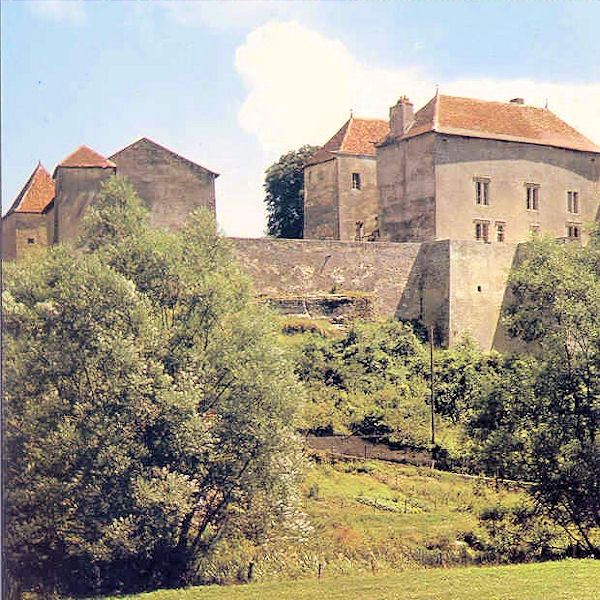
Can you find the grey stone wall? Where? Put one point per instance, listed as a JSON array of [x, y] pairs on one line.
[[8, 229], [321, 218], [509, 166], [357, 205], [75, 190], [171, 186], [408, 281], [406, 179]]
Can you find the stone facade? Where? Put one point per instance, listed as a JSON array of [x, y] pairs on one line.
[[171, 186], [50, 210], [75, 191]]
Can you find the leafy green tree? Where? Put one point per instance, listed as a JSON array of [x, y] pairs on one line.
[[284, 187], [546, 414], [150, 414]]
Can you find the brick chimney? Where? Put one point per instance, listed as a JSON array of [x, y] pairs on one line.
[[401, 117]]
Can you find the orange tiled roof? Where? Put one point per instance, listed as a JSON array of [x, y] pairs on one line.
[[36, 194], [86, 157], [357, 136], [497, 120]]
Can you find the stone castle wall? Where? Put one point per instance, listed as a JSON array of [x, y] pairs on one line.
[[457, 287]]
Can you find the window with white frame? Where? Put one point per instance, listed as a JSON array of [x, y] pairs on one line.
[[482, 231], [573, 202], [482, 191], [532, 196]]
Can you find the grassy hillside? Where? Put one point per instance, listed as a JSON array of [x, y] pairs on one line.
[[563, 580], [373, 516]]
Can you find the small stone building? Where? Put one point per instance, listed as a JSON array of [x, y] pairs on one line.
[[340, 183], [24, 226], [49, 210]]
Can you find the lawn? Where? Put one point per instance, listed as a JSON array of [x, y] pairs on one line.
[[561, 580]]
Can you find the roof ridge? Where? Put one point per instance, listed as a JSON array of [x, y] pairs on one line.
[[21, 196]]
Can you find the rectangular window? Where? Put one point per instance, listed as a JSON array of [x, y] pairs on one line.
[[356, 181], [482, 231], [500, 231], [532, 196], [573, 202], [482, 192], [31, 240], [573, 231]]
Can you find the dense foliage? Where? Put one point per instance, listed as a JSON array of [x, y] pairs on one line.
[[149, 413], [284, 187]]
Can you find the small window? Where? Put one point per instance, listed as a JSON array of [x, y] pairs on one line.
[[573, 202], [532, 196], [573, 231], [31, 240], [482, 231], [534, 230], [500, 231], [356, 181], [482, 192]]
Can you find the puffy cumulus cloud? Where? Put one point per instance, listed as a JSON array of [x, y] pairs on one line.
[[60, 11], [302, 85]]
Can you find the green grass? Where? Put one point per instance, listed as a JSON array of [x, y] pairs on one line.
[[563, 580]]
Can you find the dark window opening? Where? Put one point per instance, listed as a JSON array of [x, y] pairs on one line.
[[482, 231], [356, 181], [573, 231], [478, 288], [31, 240]]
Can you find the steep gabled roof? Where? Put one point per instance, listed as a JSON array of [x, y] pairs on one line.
[[509, 121], [36, 194], [148, 141], [357, 136], [84, 157]]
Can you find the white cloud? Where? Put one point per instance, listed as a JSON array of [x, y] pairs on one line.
[[59, 10], [302, 85]]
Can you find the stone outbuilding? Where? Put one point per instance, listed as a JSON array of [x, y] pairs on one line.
[[49, 210]]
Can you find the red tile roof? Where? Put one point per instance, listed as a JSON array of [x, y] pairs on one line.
[[497, 120], [86, 157], [357, 136], [36, 194]]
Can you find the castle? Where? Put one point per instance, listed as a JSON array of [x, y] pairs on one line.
[[422, 215]]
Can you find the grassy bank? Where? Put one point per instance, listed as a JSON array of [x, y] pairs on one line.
[[563, 580]]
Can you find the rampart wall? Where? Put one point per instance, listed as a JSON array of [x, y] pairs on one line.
[[457, 287]]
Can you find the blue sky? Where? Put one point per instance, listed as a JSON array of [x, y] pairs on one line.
[[232, 85]]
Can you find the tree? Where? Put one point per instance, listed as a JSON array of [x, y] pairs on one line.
[[550, 412], [284, 187], [149, 412]]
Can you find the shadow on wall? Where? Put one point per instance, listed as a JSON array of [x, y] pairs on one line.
[[503, 342], [425, 300]]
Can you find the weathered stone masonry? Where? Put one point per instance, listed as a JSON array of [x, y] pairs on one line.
[[458, 287]]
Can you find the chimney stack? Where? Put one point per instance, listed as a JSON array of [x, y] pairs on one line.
[[517, 101], [401, 117]]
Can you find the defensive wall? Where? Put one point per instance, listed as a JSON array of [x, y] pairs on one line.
[[459, 287]]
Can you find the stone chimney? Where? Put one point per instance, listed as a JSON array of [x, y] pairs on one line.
[[401, 117], [517, 101]]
